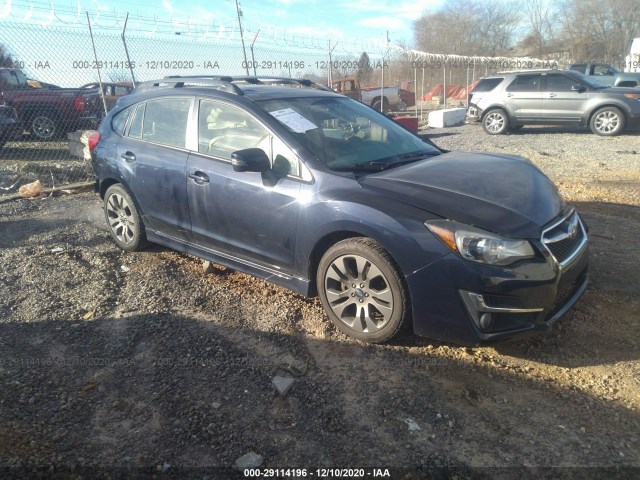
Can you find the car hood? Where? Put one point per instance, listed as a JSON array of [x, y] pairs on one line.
[[505, 194]]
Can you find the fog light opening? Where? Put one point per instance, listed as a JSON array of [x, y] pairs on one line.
[[486, 321]]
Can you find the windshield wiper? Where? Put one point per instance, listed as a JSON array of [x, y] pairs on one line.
[[373, 166]]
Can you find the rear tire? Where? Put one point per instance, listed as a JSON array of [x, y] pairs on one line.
[[402, 106], [44, 126], [496, 122], [362, 290], [376, 106], [123, 219], [607, 122]]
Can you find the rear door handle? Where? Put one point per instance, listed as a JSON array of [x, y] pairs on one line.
[[128, 156], [199, 177], [551, 95]]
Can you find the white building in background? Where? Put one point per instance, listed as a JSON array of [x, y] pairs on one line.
[[633, 59]]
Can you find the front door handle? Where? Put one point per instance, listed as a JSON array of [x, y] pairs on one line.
[[128, 156], [552, 95], [199, 177]]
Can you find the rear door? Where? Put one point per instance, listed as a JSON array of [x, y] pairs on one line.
[[153, 159], [565, 99], [524, 98]]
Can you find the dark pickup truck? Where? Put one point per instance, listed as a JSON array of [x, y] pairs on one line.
[[607, 74], [48, 113]]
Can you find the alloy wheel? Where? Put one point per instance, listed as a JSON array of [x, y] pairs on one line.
[[121, 219], [606, 121], [358, 293]]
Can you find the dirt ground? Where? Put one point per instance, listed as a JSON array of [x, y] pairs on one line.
[[121, 365]]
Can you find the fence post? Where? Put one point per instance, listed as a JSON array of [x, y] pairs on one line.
[[95, 56], [126, 50]]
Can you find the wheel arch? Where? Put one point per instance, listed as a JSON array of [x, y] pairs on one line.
[[320, 248], [608, 104], [110, 181]]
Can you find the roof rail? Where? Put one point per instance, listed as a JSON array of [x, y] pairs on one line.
[[226, 83], [221, 83]]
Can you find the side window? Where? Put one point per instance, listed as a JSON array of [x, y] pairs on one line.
[[224, 129], [135, 130], [487, 84], [602, 70], [579, 67], [559, 83], [525, 83], [120, 120], [165, 121], [285, 162]]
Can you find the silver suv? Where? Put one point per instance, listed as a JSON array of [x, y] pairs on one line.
[[507, 101]]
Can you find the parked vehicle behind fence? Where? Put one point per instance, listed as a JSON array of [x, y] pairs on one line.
[[382, 99], [508, 101], [48, 113], [324, 195]]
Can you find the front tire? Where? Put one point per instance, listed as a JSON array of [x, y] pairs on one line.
[[362, 290], [123, 219], [607, 122], [496, 122]]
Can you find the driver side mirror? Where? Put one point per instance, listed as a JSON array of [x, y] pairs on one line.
[[577, 88], [250, 160]]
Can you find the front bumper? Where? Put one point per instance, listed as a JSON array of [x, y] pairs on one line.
[[526, 298]]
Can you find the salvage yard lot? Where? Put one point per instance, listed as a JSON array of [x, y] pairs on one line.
[[139, 362]]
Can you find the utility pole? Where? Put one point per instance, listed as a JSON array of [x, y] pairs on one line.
[[244, 51]]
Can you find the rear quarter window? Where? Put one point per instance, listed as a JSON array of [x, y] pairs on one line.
[[120, 121], [487, 84]]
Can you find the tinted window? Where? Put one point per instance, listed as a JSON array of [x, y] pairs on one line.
[[165, 121], [120, 120], [224, 129], [135, 130], [525, 83], [13, 79], [487, 84], [559, 83], [579, 68]]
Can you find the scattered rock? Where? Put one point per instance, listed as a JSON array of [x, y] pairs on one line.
[[412, 425], [283, 384], [249, 460]]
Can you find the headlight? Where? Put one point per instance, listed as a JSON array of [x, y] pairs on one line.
[[478, 245]]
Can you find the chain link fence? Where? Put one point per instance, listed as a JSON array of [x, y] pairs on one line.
[[58, 79]]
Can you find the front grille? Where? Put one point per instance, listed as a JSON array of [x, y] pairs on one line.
[[565, 238]]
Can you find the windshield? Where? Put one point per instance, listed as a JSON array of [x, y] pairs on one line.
[[347, 135]]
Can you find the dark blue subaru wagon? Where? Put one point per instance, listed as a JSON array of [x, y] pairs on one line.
[[311, 190]]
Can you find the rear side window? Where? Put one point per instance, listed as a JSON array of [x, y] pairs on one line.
[[135, 130], [525, 83], [487, 84], [580, 67], [165, 121], [120, 121]]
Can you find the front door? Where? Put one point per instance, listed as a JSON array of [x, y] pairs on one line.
[[248, 215], [564, 99]]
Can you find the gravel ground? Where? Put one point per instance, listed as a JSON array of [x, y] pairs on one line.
[[120, 365]]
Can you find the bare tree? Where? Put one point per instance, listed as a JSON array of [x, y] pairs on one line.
[[468, 27], [540, 19]]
